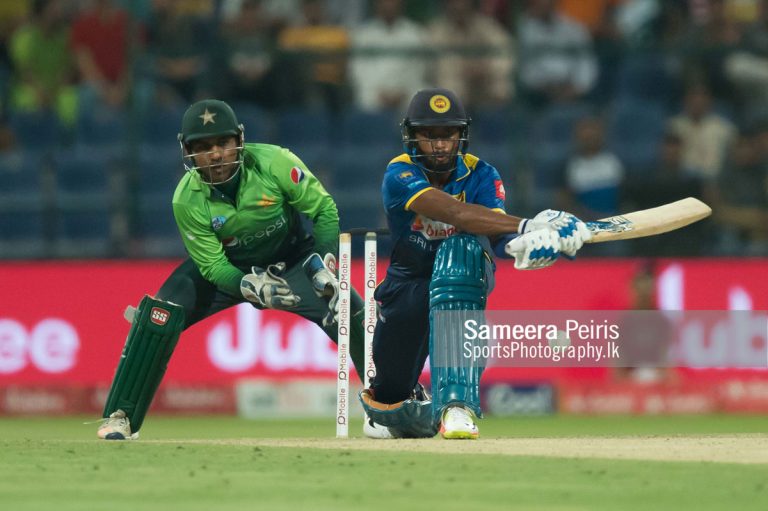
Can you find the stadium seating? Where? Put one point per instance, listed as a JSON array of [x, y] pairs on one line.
[[646, 76], [381, 129], [161, 125], [305, 127], [101, 126], [38, 131], [635, 130], [256, 121], [86, 199]]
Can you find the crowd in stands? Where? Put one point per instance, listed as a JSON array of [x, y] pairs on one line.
[[593, 106]]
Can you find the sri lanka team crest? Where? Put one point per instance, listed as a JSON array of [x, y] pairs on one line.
[[439, 103], [297, 175]]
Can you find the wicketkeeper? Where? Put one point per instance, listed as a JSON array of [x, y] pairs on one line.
[[238, 210], [445, 208]]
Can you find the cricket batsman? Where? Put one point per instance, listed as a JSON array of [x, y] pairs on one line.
[[238, 210], [445, 209]]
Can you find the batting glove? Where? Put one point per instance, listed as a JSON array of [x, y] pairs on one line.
[[573, 233], [267, 289], [324, 282], [534, 250]]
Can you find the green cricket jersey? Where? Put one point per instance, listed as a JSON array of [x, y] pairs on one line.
[[262, 226]]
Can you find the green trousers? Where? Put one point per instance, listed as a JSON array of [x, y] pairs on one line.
[[201, 299]]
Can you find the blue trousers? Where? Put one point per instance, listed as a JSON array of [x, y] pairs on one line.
[[401, 338]]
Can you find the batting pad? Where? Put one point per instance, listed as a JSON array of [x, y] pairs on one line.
[[458, 284], [155, 330]]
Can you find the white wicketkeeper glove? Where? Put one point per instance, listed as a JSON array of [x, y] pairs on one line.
[[535, 249], [573, 232], [267, 289], [324, 282]]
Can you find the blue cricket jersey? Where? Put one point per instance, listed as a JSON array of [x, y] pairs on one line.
[[417, 238]]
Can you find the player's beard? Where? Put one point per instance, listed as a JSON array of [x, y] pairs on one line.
[[219, 173], [444, 162]]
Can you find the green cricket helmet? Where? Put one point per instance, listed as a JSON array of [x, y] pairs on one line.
[[439, 108], [209, 118]]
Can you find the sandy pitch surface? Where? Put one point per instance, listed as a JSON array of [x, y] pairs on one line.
[[749, 449]]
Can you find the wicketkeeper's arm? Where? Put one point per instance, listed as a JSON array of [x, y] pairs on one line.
[[206, 251], [308, 196]]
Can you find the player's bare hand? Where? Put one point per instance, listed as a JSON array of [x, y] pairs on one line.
[[534, 250], [267, 289], [573, 233]]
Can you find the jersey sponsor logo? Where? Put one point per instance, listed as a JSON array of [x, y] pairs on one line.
[[432, 229], [159, 316], [439, 103], [501, 193], [297, 175], [249, 238], [403, 176], [218, 222]]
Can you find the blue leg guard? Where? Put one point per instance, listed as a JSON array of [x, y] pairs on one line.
[[457, 292], [412, 418]]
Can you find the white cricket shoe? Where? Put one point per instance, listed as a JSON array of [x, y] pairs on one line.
[[374, 430], [116, 427], [458, 423]]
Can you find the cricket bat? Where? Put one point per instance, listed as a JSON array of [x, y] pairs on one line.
[[649, 222]]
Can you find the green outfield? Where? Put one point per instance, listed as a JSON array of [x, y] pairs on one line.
[[612, 463]]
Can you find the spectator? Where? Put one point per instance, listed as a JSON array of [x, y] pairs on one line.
[[101, 41], [178, 53], [474, 55], [707, 45], [596, 15], [746, 68], [592, 175], [320, 48], [12, 15], [706, 135], [741, 201], [43, 64], [669, 181], [385, 71], [557, 62], [247, 56]]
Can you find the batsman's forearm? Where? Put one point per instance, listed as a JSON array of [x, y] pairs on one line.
[[477, 219]]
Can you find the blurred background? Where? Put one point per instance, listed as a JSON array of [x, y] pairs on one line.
[[593, 106]]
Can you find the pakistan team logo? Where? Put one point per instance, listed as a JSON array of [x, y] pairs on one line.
[[218, 222]]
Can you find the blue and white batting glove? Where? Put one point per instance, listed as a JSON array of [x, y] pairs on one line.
[[573, 232], [535, 249]]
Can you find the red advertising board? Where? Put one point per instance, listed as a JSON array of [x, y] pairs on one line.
[[62, 322]]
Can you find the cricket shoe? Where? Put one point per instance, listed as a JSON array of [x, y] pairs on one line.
[[458, 423], [374, 430], [116, 427]]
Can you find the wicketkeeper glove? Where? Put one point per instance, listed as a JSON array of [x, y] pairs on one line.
[[573, 233], [324, 282], [535, 249], [267, 289]]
